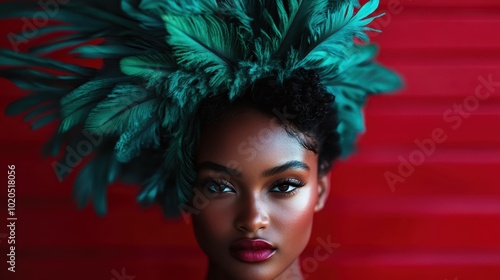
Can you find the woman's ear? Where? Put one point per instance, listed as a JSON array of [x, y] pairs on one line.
[[323, 191]]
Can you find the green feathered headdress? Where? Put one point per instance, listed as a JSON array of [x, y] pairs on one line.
[[160, 59]]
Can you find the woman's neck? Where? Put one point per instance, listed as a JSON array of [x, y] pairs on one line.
[[292, 272]]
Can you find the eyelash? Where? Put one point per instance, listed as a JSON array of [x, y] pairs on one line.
[[294, 183], [210, 183]]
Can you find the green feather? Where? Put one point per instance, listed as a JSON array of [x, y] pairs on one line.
[[180, 7], [148, 65], [144, 136], [292, 24], [335, 36], [91, 183], [15, 59], [127, 106], [111, 51], [204, 43], [40, 110], [151, 188], [44, 120], [76, 106]]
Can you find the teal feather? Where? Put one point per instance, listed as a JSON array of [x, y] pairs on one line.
[[44, 120], [205, 43], [146, 20], [179, 155], [292, 24], [148, 65], [127, 106], [335, 36], [112, 51], [77, 105], [15, 59], [180, 7], [21, 105], [161, 58], [151, 187], [92, 181], [360, 71], [40, 110], [133, 141], [238, 11], [185, 88], [53, 146]]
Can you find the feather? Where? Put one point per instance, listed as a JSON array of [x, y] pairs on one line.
[[148, 65], [91, 183], [204, 43], [40, 110], [335, 35], [145, 19], [35, 80], [126, 107], [160, 59], [359, 71], [151, 187], [45, 120], [110, 51], [238, 11], [76, 106], [180, 7], [21, 105], [144, 136], [292, 25], [14, 59]]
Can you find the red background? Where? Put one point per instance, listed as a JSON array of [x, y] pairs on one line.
[[441, 222]]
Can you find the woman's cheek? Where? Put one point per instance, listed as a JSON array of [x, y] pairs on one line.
[[215, 218], [296, 210]]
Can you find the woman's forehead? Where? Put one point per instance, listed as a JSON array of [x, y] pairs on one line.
[[250, 138]]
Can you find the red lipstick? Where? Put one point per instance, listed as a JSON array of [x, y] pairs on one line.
[[252, 250]]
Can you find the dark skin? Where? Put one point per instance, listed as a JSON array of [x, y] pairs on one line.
[[259, 182]]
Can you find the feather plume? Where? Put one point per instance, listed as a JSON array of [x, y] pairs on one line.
[[133, 141], [336, 34], [126, 107], [206, 43], [160, 59], [77, 105]]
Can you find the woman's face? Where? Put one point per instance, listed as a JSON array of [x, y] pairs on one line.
[[255, 195]]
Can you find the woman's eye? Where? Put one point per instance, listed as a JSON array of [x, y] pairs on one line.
[[218, 187], [284, 188]]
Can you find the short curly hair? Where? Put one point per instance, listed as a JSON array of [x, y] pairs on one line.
[[313, 118]]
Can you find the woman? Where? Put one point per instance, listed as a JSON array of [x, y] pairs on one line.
[[230, 111], [263, 177]]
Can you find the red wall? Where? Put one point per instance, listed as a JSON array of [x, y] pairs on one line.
[[439, 220]]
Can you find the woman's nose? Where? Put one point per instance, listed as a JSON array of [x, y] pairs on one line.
[[252, 215]]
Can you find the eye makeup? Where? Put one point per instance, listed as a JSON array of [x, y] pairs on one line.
[[282, 187]]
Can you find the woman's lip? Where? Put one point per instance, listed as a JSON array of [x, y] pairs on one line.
[[253, 256], [252, 250], [251, 245]]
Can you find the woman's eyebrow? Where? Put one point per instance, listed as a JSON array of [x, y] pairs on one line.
[[218, 168], [293, 164]]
